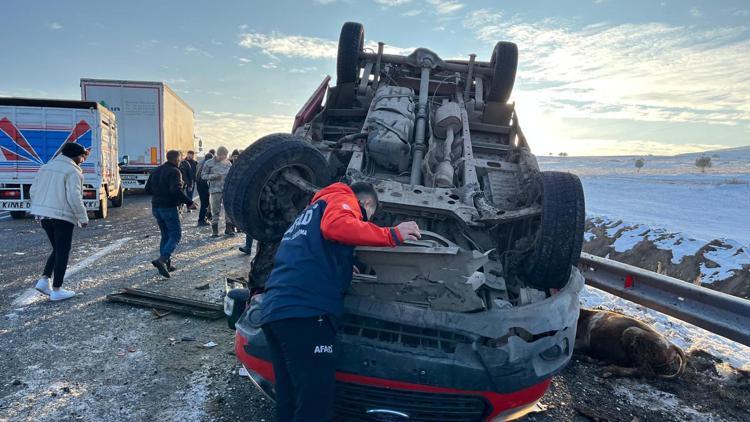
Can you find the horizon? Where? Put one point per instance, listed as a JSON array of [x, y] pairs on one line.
[[600, 78]]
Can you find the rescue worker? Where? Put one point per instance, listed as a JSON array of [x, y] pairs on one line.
[[167, 190], [215, 171], [304, 294], [57, 200]]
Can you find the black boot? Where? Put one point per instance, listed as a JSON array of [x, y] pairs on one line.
[[170, 267], [161, 266], [214, 230]]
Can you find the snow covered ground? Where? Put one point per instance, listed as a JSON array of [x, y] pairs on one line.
[[668, 193]]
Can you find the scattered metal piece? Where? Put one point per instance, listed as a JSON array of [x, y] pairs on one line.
[[187, 338], [210, 344], [159, 315], [181, 305], [202, 287]]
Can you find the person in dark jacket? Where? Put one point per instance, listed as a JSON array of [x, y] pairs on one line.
[[304, 294], [166, 187], [188, 168], [202, 185]]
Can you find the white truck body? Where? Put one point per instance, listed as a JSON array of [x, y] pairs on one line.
[[151, 120], [33, 131]]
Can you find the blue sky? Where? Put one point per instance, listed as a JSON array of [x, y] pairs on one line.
[[595, 77]]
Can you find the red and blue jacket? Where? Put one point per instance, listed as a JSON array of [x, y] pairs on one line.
[[313, 265]]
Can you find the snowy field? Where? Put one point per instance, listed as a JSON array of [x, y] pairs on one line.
[[669, 192]]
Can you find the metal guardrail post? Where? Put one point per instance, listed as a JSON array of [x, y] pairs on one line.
[[720, 313]]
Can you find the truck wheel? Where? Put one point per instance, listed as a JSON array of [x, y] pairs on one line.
[[504, 63], [117, 200], [351, 42], [17, 215], [103, 210], [258, 199], [560, 234]]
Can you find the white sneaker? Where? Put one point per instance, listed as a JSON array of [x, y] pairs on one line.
[[61, 294], [42, 285]]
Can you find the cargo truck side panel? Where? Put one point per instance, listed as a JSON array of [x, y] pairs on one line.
[[138, 108], [32, 132], [178, 123]]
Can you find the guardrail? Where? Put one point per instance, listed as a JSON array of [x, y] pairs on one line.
[[720, 313]]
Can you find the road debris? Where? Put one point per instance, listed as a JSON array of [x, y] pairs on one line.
[[210, 344], [181, 305]]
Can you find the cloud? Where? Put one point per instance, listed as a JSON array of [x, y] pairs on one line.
[[695, 12], [237, 130], [641, 72], [176, 81], [445, 7], [391, 3], [55, 26], [303, 69], [270, 65], [216, 42], [413, 12], [741, 13], [190, 50], [278, 44], [325, 2]]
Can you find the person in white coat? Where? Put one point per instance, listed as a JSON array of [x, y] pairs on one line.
[[57, 200]]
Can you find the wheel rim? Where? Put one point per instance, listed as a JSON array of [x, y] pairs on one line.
[[280, 201]]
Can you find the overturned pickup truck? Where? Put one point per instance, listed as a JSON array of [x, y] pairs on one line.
[[472, 321]]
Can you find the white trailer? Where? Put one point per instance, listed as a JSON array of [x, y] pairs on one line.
[[151, 120], [33, 131]]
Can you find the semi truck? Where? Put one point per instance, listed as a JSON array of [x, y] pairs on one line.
[[152, 119], [33, 131]]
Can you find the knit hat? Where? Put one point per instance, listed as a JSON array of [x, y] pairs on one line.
[[72, 149]]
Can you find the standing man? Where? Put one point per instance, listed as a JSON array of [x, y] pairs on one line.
[[57, 200], [215, 171], [166, 187], [305, 294], [203, 194], [188, 168]]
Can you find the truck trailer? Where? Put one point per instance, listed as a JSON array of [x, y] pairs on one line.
[[151, 120], [33, 131]]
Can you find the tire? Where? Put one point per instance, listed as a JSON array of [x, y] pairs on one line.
[[103, 210], [504, 64], [17, 215], [117, 200], [256, 199], [560, 235], [351, 42]]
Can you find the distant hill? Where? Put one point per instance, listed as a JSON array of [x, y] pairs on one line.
[[737, 153]]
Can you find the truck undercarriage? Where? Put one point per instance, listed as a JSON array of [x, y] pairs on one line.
[[487, 300]]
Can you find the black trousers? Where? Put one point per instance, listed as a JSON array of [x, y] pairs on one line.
[[60, 235], [303, 351], [202, 187]]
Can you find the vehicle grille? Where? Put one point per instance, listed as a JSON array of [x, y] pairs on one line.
[[401, 334], [354, 400]]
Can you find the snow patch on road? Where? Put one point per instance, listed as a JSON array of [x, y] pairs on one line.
[[646, 396]]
